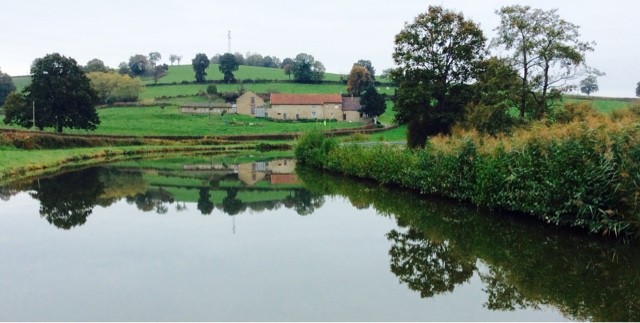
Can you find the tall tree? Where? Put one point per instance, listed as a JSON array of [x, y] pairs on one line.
[[139, 65], [154, 58], [589, 85], [547, 51], [288, 69], [437, 55], [638, 89], [173, 58], [200, 64], [62, 95], [6, 86], [372, 102], [228, 65], [359, 80], [495, 92], [367, 64], [159, 71], [95, 65]]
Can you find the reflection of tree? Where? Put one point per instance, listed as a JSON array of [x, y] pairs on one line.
[[501, 294], [427, 266], [231, 204], [304, 201], [152, 200], [67, 200], [205, 206]]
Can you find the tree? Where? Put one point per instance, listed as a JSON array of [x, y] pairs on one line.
[[159, 71], [154, 58], [306, 69], [254, 59], [437, 55], [215, 59], [372, 102], [286, 61], [228, 65], [200, 64], [359, 80], [239, 58], [67, 200], [179, 58], [62, 95], [95, 65], [205, 206], [547, 51], [367, 64], [16, 110], [123, 69], [113, 87], [6, 86], [495, 92], [288, 70], [589, 85], [173, 58], [317, 71], [139, 65], [638, 90]]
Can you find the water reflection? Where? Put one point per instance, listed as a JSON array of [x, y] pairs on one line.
[[67, 199], [438, 246], [522, 264]]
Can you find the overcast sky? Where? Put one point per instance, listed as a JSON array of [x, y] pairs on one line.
[[335, 32]]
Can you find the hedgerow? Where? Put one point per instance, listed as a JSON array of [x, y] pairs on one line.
[[580, 174]]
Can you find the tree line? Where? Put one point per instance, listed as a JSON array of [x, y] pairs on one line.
[[446, 73]]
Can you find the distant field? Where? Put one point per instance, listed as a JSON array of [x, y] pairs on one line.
[[21, 81], [152, 92], [602, 105], [179, 73]]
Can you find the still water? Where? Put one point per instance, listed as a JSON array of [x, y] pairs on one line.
[[226, 238]]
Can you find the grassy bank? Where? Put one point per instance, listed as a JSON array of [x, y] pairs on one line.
[[582, 174]]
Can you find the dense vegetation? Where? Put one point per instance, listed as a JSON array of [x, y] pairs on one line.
[[584, 173]]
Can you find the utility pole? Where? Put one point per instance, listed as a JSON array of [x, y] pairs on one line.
[[229, 42]]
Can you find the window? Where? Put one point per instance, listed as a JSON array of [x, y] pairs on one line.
[[297, 116], [285, 116], [313, 114]]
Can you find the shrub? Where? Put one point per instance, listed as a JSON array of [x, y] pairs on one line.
[[573, 111], [212, 89]]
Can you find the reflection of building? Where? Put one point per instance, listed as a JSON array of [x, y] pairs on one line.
[[277, 171]]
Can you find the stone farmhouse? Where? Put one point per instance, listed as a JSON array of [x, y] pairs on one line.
[[301, 106], [288, 107]]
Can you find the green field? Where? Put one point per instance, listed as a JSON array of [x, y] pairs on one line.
[[21, 81], [170, 122], [179, 73], [154, 92], [602, 105]]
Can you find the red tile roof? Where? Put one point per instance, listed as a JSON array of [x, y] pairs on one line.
[[304, 99]]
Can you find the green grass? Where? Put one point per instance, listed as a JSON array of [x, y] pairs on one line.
[[21, 82], [602, 105], [16, 163], [179, 73], [170, 122]]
